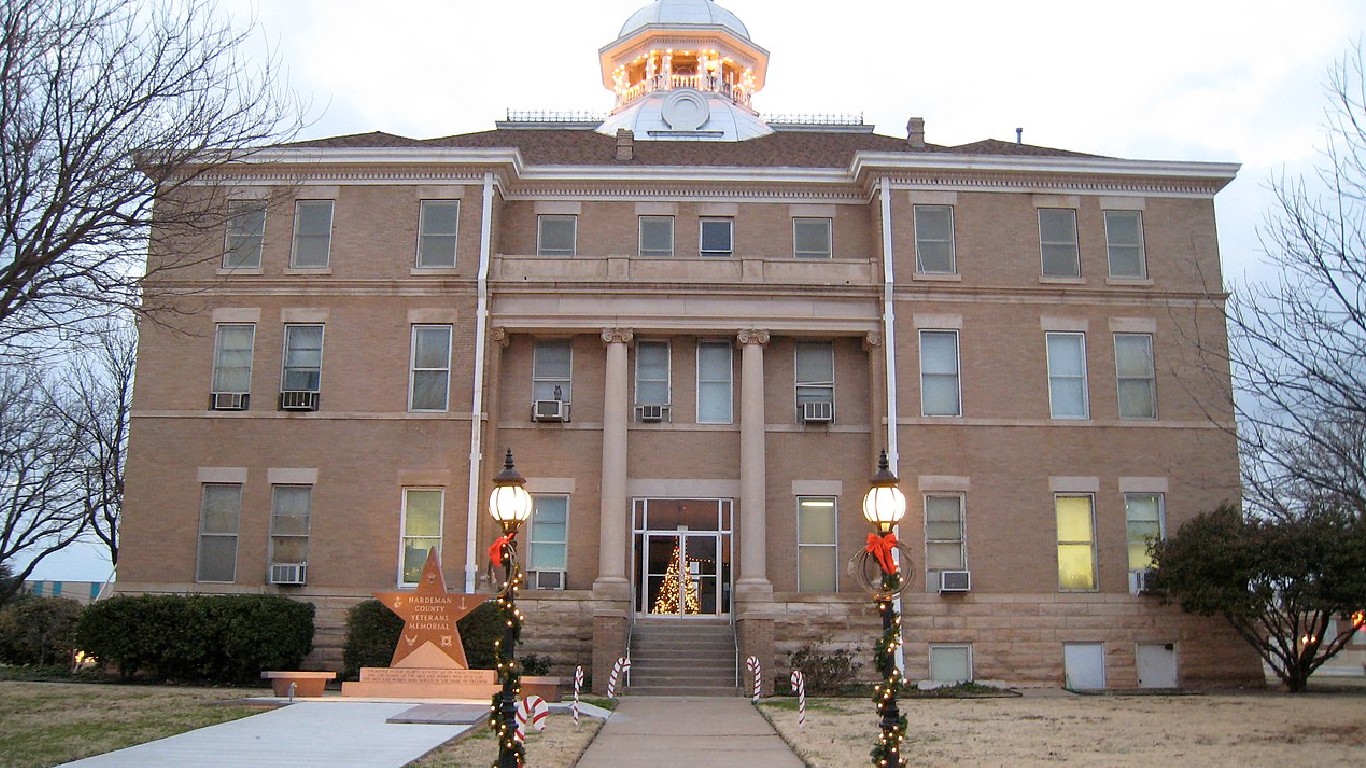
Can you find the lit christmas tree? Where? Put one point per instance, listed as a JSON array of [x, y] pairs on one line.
[[666, 599]]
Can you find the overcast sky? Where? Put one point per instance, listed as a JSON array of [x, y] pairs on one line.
[[1212, 80]]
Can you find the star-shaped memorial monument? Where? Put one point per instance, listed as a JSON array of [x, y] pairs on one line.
[[430, 639]]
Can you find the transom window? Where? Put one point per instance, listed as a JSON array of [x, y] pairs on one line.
[[1124, 244], [1058, 242], [312, 234], [811, 238], [934, 252], [656, 235], [556, 234], [718, 237], [437, 228]]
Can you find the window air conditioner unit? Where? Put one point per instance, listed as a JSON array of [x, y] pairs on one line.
[[230, 401], [1142, 582], [955, 581], [288, 573], [550, 410], [818, 413], [546, 579], [298, 401], [651, 414]]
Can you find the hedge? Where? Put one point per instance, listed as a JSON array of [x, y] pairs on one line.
[[372, 632], [38, 631], [210, 638]]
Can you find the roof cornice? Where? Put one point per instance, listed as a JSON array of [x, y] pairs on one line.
[[1214, 175]]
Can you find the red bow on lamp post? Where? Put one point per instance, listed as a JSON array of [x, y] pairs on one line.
[[496, 550], [881, 546]]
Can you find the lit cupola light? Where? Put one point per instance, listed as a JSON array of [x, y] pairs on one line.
[[684, 70]]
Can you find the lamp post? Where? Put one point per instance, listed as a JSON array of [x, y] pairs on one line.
[[884, 505], [510, 506]]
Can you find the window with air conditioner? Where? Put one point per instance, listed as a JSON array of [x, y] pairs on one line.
[[1144, 525], [815, 381], [547, 542], [945, 550], [233, 343], [291, 509], [301, 379], [653, 394], [552, 365], [220, 509], [421, 531]]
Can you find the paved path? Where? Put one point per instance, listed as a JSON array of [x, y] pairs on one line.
[[688, 733], [336, 734]]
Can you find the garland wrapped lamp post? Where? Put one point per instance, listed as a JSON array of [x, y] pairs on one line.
[[510, 506], [884, 505]]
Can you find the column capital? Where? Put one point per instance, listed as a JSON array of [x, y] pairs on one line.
[[872, 341], [620, 335], [753, 336], [500, 336]]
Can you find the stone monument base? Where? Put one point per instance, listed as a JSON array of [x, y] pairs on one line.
[[420, 683]]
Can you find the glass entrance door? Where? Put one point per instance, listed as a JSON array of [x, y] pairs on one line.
[[684, 569]]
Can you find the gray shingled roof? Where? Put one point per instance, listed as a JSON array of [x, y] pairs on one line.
[[784, 149]]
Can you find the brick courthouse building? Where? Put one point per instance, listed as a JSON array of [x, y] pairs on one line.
[[696, 329]]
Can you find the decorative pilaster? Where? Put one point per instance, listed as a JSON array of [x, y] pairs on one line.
[[753, 481]]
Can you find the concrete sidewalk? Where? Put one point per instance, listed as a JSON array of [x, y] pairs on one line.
[[688, 733], [337, 734]]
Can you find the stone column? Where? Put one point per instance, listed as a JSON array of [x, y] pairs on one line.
[[611, 589], [753, 482]]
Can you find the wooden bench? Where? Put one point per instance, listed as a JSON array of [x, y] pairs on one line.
[[307, 685]]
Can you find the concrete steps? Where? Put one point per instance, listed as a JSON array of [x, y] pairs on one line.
[[683, 657]]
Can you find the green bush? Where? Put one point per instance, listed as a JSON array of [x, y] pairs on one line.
[[38, 631], [372, 631], [214, 638]]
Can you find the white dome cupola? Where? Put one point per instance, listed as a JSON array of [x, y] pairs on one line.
[[684, 70]]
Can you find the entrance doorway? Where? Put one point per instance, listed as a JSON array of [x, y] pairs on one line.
[[682, 557]]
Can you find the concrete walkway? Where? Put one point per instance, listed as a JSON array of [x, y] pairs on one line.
[[336, 734], [688, 733]]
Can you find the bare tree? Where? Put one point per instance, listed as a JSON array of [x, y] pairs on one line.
[[108, 109], [40, 474], [1298, 346]]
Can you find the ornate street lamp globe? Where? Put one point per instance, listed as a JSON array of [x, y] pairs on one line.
[[509, 503], [884, 505]]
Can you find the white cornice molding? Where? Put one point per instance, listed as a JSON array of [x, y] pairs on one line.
[[1015, 173]]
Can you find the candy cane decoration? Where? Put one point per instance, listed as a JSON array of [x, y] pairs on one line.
[[799, 685], [534, 710], [578, 683], [621, 666], [752, 664]]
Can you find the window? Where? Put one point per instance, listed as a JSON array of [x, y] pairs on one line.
[[817, 552], [312, 234], [934, 239], [556, 234], [246, 233], [811, 238], [1124, 243], [1136, 377], [1067, 376], [1144, 523], [652, 373], [656, 235], [1058, 241], [291, 507], [219, 510], [718, 237], [438, 223], [429, 385], [303, 362], [944, 549], [547, 548], [950, 664], [232, 359], [815, 372], [552, 367], [714, 382], [939, 392], [1076, 543], [421, 531]]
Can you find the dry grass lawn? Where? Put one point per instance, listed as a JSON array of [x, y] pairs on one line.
[[1235, 730], [558, 746], [45, 724]]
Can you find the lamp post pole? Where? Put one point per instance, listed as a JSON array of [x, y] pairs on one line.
[[884, 506], [510, 506]]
